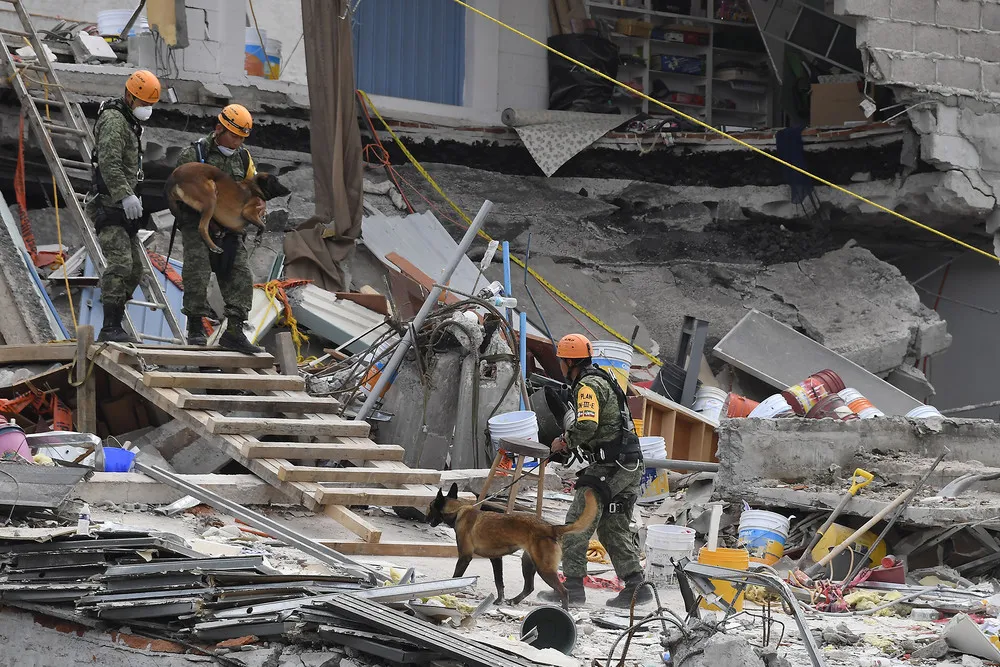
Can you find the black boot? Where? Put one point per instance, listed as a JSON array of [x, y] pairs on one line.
[[196, 332], [624, 599], [575, 590], [236, 341], [112, 330]]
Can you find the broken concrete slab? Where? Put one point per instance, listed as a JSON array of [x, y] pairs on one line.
[[186, 451], [773, 352], [131, 487]]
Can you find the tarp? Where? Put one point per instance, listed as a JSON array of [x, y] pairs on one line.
[[555, 137]]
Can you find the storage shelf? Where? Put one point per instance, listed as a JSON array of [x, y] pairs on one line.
[[682, 75], [669, 15], [739, 111], [737, 52], [667, 42]]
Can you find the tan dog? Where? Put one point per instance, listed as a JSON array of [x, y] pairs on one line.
[[213, 193], [492, 535]]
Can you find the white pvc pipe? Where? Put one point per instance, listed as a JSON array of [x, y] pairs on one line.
[[713, 527]]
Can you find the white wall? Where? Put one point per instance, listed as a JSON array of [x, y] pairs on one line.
[[523, 70], [282, 20]]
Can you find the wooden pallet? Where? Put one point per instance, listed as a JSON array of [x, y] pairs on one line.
[[282, 409]]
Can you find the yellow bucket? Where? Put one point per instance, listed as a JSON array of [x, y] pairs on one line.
[[638, 426], [836, 534], [734, 559]]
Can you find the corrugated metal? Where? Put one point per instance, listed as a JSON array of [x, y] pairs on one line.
[[145, 320], [414, 49], [337, 320]]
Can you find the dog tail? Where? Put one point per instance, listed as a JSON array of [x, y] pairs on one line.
[[586, 519]]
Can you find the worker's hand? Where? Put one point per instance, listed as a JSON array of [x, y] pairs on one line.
[[133, 207], [559, 445]]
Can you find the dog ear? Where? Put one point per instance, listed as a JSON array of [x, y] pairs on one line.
[[453, 491], [271, 186]]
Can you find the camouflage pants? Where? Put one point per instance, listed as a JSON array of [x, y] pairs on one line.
[[236, 288], [124, 270], [613, 530]]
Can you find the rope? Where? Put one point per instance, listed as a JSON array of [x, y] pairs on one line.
[[468, 221], [275, 291], [730, 137]]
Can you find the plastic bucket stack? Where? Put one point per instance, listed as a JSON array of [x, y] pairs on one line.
[[709, 401], [763, 534], [923, 412], [654, 485], [831, 406], [520, 424], [734, 559], [860, 405], [110, 23], [614, 357], [739, 406], [662, 544], [771, 407]]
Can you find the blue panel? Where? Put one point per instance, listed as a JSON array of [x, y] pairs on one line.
[[414, 49]]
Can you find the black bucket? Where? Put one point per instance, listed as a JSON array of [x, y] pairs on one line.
[[556, 629], [669, 382]]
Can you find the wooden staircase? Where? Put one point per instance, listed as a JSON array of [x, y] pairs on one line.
[[373, 474]]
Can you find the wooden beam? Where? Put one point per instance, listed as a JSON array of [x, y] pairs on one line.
[[331, 451], [86, 391], [358, 475], [269, 404], [415, 549], [161, 379], [29, 354], [354, 523], [287, 358], [201, 358], [260, 426], [384, 497]]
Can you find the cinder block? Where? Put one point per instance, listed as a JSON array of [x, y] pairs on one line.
[[914, 71], [991, 16], [991, 78], [959, 13], [892, 35], [920, 11], [949, 152], [981, 45], [962, 74], [880, 9], [932, 39], [947, 119]]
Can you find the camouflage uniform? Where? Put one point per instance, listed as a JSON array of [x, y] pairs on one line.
[[236, 285], [119, 159], [599, 420]]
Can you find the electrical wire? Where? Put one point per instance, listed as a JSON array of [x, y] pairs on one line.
[[17, 495]]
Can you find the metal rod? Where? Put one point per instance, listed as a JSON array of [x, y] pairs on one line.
[[506, 278], [429, 303], [674, 464], [970, 408], [135, 17], [522, 336], [260, 522]]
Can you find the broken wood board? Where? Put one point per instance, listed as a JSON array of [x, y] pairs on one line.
[[162, 379], [270, 404], [358, 475], [323, 450], [32, 354], [354, 522], [323, 426], [414, 549], [218, 358]]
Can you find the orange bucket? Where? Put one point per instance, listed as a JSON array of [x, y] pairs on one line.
[[739, 406]]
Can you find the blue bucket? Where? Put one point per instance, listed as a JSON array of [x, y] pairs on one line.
[[118, 460]]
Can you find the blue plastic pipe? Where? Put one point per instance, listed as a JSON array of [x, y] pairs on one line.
[[506, 277], [523, 337]]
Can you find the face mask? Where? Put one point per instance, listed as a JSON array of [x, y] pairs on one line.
[[225, 151], [142, 113]]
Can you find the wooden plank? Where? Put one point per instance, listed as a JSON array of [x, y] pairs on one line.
[[358, 475], [415, 549], [259, 426], [161, 379], [410, 270], [409, 497], [214, 359], [354, 523], [324, 450], [287, 358], [86, 391], [25, 354], [269, 404]]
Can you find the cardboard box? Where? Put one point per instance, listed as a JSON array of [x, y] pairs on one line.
[[835, 104]]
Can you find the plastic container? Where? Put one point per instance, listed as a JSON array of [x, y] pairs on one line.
[[662, 544], [771, 407], [734, 559], [556, 629], [118, 460], [273, 58], [804, 396], [739, 406], [654, 485], [253, 58], [831, 406], [837, 533], [709, 401], [923, 412], [520, 424], [669, 382], [12, 439], [110, 23], [763, 534], [860, 405], [831, 380], [615, 357]]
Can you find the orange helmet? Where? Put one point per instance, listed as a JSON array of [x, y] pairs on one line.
[[144, 85], [237, 120], [574, 346]]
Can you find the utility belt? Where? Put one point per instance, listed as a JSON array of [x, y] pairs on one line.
[[609, 455], [620, 504], [109, 216]]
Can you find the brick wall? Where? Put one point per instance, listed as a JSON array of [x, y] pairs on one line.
[[950, 46]]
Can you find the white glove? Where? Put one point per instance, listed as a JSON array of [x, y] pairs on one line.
[[133, 207]]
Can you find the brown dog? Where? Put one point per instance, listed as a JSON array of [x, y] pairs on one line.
[[213, 193], [491, 535]]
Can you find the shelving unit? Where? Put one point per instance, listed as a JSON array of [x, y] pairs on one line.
[[753, 103]]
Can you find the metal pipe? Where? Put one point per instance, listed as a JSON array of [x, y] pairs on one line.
[[507, 289], [523, 340], [135, 17], [674, 464], [429, 303]]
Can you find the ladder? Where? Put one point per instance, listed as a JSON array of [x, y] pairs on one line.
[[40, 92]]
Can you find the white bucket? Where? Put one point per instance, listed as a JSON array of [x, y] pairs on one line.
[[850, 395], [771, 407], [654, 485], [110, 22], [615, 357], [709, 401], [923, 412], [273, 58], [253, 52], [870, 413], [764, 533], [520, 424], [662, 544]]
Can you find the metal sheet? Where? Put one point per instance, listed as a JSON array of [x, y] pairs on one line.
[[337, 320], [782, 357], [37, 486], [162, 566]]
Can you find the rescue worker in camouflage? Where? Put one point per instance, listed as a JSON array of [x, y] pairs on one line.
[[597, 427], [114, 205], [223, 149]]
